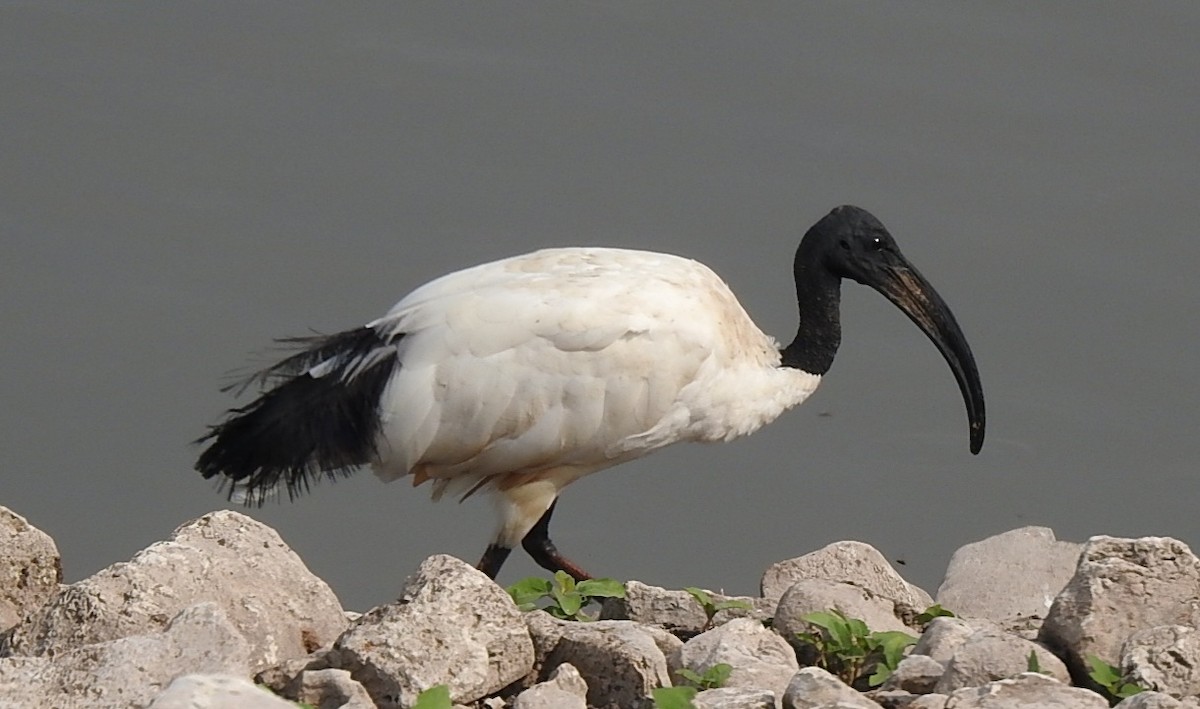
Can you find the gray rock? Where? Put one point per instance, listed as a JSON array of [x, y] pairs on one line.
[[990, 655], [212, 691], [805, 597], [929, 701], [1165, 659], [891, 698], [545, 631], [1122, 586], [760, 658], [226, 558], [915, 674], [621, 661], [30, 568], [942, 637], [1017, 573], [565, 689], [734, 698], [129, 671], [677, 610], [330, 689], [1150, 700], [452, 625], [855, 563], [814, 688], [1027, 691]]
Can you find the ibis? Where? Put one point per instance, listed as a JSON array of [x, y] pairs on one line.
[[520, 376]]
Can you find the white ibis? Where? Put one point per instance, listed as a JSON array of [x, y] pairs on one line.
[[523, 375]]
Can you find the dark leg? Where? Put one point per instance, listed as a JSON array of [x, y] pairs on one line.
[[543, 551], [493, 559]]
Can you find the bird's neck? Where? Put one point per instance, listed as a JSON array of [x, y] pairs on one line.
[[819, 297]]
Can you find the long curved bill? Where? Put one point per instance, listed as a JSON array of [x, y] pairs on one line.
[[908, 290]]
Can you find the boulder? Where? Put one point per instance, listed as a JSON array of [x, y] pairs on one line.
[[734, 698], [814, 688], [330, 689], [225, 558], [677, 610], [854, 563], [452, 625], [1157, 700], [1026, 691], [1121, 586], [942, 637], [621, 662], [1165, 659], [30, 568], [915, 674], [989, 655], [215, 691], [565, 689], [1009, 575], [759, 657], [812, 595]]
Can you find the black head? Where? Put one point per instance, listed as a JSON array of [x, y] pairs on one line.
[[850, 242]]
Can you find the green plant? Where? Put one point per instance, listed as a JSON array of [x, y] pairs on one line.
[[1032, 664], [1109, 678], [847, 648], [434, 698], [567, 597], [674, 697], [934, 611], [714, 677], [711, 607]]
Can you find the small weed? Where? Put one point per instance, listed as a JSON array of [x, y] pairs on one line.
[[567, 598], [714, 677], [847, 648], [934, 611], [1032, 664], [674, 697], [1109, 677], [711, 607], [434, 698]]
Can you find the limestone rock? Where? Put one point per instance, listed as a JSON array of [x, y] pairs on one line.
[[855, 563], [1156, 700], [1017, 573], [214, 691], [812, 595], [1165, 659], [676, 610], [942, 637], [1122, 586], [30, 568], [929, 701], [1026, 691], [226, 558], [129, 671], [915, 674], [814, 688], [760, 658], [565, 689], [621, 661], [452, 625], [734, 698], [330, 689], [989, 655]]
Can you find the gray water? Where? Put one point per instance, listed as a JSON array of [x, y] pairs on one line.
[[182, 182]]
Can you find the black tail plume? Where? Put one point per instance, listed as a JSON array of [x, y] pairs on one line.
[[317, 415]]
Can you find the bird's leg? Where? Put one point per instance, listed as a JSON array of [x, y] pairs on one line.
[[537, 543], [493, 559]]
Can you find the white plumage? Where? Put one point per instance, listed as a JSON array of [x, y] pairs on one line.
[[523, 375]]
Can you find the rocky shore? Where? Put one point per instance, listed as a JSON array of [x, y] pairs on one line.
[[224, 614]]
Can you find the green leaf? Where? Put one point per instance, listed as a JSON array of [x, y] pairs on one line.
[[1103, 673], [691, 676], [528, 591], [701, 596], [601, 588], [569, 602], [734, 603], [674, 697], [434, 698], [717, 675], [934, 611], [564, 581], [1031, 662]]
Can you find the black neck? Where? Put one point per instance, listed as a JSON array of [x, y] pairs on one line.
[[819, 297]]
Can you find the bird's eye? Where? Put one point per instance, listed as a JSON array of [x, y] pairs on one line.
[[878, 244]]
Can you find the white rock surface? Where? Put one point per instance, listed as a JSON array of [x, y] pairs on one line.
[[1165, 659], [989, 655], [621, 661], [760, 658], [30, 568], [452, 625], [812, 595], [1017, 573], [331, 689], [814, 688], [214, 691], [916, 674], [734, 698], [677, 610], [854, 563], [1027, 691], [942, 637], [226, 558], [1122, 586], [565, 689]]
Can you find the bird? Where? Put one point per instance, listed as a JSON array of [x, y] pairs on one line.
[[520, 376]]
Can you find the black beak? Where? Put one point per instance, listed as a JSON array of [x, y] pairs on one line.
[[902, 284]]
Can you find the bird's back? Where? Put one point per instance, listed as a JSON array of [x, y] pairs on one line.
[[570, 359]]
